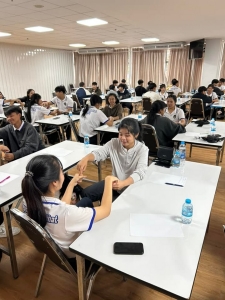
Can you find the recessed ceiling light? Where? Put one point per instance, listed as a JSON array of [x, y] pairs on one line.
[[110, 43], [77, 45], [92, 22], [150, 40], [4, 34], [39, 29]]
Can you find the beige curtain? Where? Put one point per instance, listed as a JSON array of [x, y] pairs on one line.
[[196, 73], [113, 66], [148, 65], [222, 70], [86, 68], [179, 67]]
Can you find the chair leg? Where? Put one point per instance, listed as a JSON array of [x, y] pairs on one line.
[[221, 158], [190, 150], [40, 275]]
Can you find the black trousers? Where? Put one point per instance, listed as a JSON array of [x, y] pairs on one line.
[[95, 191]]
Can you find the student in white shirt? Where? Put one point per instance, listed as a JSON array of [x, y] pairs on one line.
[[91, 117], [128, 155], [174, 113], [162, 92], [175, 89], [211, 94], [42, 182], [221, 85], [152, 93]]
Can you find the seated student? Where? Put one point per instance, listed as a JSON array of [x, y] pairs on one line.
[[20, 137], [221, 84], [95, 89], [82, 93], [215, 83], [140, 90], [124, 82], [165, 128], [162, 92], [147, 88], [40, 186], [25, 100], [124, 94], [114, 108], [210, 93], [114, 85], [152, 93], [91, 118], [174, 113], [175, 89], [206, 100], [129, 157]]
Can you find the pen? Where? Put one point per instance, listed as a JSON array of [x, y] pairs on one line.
[[5, 179], [174, 184]]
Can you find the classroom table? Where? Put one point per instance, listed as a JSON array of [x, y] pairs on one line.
[[182, 101], [2, 116], [169, 264], [193, 136], [114, 129], [131, 100], [11, 192], [59, 121]]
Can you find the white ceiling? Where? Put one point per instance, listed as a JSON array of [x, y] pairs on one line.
[[129, 21]]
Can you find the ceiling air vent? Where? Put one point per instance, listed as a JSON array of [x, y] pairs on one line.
[[164, 46], [95, 50]]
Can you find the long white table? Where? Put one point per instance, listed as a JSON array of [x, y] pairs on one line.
[[131, 100], [12, 191], [194, 133], [168, 264]]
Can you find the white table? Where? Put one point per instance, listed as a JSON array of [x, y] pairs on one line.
[[131, 100], [2, 116], [193, 134], [182, 101], [59, 121], [187, 94], [12, 191], [168, 264], [114, 129]]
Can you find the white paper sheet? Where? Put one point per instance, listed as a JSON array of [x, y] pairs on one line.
[[8, 180], [59, 152], [162, 178], [155, 225]]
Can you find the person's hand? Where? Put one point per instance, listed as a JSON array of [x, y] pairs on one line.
[[54, 112], [9, 156], [4, 148], [76, 178], [117, 185], [81, 166]]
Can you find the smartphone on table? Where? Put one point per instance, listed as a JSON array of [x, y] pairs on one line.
[[128, 248]]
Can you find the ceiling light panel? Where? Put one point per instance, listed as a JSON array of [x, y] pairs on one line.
[[39, 29], [150, 40], [92, 22]]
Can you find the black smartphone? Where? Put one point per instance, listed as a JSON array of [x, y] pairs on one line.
[[56, 118], [128, 248]]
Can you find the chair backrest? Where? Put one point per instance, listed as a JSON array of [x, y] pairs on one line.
[[42, 241], [74, 129], [150, 139], [25, 116], [197, 108], [71, 86], [147, 104], [75, 99]]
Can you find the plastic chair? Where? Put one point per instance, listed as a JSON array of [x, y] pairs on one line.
[[150, 139], [196, 109], [43, 242], [146, 104]]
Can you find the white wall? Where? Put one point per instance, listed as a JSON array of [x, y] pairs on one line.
[[212, 61], [42, 69]]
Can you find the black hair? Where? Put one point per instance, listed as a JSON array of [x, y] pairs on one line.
[[174, 97], [94, 83], [215, 81], [202, 89], [94, 100], [161, 87], [210, 85], [140, 81], [81, 84], [60, 88], [222, 80], [34, 100], [174, 81], [133, 126], [152, 86], [28, 92], [155, 108], [123, 80], [122, 85], [40, 172], [13, 109], [114, 95], [112, 87], [115, 81]]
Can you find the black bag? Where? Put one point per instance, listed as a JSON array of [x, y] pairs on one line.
[[213, 138], [164, 156]]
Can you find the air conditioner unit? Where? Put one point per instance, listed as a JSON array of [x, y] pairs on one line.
[[164, 46], [95, 50]]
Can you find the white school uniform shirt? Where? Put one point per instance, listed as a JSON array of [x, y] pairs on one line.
[[175, 89], [90, 121], [37, 113], [176, 115], [163, 96], [152, 95], [64, 104], [222, 87], [65, 222], [213, 96], [1, 106]]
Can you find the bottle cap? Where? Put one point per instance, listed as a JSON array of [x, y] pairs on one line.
[[182, 143], [177, 152], [188, 201]]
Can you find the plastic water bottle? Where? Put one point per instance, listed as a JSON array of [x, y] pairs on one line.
[[139, 116], [176, 159], [222, 97], [187, 212], [86, 141], [70, 114], [212, 126], [178, 100], [182, 150]]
